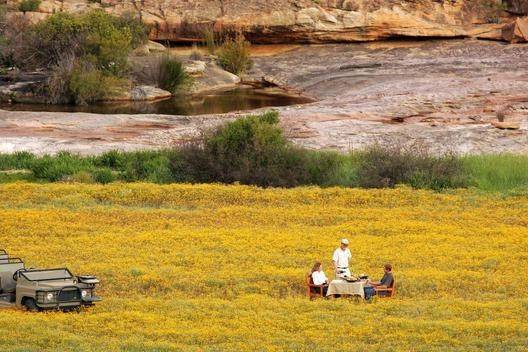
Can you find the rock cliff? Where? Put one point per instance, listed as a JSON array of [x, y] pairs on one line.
[[308, 21]]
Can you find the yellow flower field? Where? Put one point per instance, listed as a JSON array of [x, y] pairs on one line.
[[222, 268]]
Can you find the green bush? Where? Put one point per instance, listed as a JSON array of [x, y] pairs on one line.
[[86, 85], [138, 30], [29, 5], [107, 42], [56, 168], [172, 75], [103, 176], [57, 89], [60, 35], [152, 166], [82, 177], [234, 55], [105, 39], [386, 166], [250, 150], [80, 49], [16, 161], [81, 83], [324, 167], [113, 159], [347, 174]]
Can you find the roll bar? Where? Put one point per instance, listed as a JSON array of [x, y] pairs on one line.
[[9, 260]]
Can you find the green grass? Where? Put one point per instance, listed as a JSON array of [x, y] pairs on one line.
[[498, 172], [172, 75], [254, 151], [495, 173]]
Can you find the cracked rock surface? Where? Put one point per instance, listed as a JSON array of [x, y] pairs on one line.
[[444, 94]]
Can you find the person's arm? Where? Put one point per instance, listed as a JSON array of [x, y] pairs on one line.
[[325, 278]]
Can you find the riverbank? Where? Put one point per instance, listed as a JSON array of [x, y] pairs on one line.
[[443, 94]]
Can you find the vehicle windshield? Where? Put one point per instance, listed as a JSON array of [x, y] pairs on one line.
[[50, 274]]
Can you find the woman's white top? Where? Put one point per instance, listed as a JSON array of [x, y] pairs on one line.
[[319, 277]]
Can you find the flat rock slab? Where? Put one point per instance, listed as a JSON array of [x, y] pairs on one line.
[[442, 94], [506, 125]]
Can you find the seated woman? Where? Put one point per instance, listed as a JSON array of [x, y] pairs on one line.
[[386, 281], [319, 277]]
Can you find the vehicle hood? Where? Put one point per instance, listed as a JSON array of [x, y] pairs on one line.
[[52, 284]]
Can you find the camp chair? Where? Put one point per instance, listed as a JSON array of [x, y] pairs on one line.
[[388, 292], [314, 290]]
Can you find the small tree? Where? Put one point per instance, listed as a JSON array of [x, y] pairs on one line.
[[29, 5]]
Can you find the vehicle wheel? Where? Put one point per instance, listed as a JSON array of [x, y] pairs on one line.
[[30, 305]]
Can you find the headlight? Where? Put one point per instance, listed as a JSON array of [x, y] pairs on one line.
[[49, 297], [84, 293]]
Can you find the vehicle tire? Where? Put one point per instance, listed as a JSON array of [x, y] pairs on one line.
[[31, 305]]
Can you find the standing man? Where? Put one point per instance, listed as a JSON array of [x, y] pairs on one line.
[[341, 258]]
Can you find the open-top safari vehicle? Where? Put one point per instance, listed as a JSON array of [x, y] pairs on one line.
[[43, 289]]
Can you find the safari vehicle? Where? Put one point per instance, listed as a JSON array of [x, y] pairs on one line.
[[43, 289]]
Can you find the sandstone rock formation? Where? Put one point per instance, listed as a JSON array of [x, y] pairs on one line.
[[443, 94], [517, 31], [518, 7], [305, 21]]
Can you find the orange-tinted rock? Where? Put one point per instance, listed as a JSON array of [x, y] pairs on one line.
[[517, 31], [504, 125], [303, 21]]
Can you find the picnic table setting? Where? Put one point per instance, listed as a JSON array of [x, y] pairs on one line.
[[347, 284], [350, 286]]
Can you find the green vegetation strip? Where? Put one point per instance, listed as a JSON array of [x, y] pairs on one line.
[[254, 151]]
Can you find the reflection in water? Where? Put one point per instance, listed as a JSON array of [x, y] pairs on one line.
[[214, 103]]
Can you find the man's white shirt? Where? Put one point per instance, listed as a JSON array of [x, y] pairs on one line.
[[341, 257], [319, 277]]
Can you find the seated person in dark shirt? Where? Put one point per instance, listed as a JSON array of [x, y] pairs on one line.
[[386, 281]]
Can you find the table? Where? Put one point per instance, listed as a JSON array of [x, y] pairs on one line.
[[343, 287]]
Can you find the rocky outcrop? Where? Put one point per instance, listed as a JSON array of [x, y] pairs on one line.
[[518, 7], [16, 87], [441, 94], [147, 93], [517, 31], [305, 21]]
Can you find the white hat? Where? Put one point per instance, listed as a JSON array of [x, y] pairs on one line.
[[344, 241]]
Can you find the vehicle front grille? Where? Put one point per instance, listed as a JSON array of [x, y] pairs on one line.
[[69, 295]]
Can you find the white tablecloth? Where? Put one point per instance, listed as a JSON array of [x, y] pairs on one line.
[[342, 287]]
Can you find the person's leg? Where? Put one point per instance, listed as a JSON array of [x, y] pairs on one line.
[[369, 292]]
